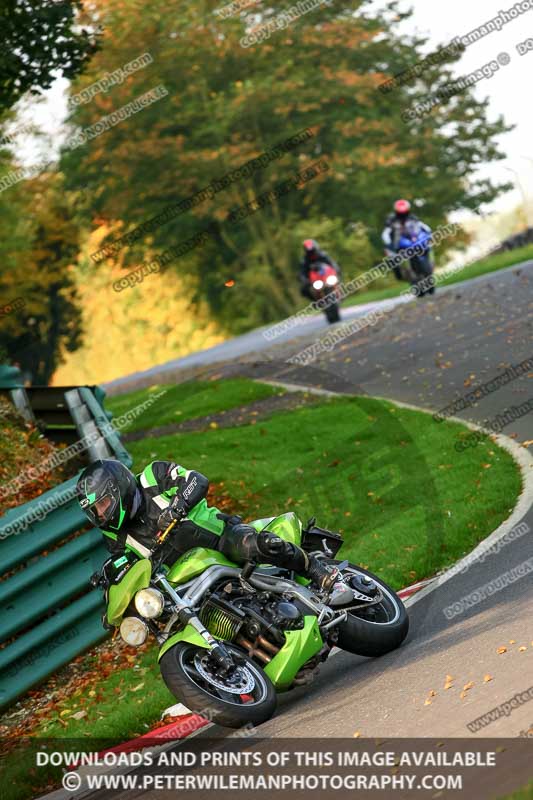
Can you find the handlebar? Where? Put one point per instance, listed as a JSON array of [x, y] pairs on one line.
[[164, 536]]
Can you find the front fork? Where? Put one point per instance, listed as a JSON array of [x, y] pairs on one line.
[[187, 616]]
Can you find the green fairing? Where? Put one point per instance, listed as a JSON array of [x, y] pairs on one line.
[[188, 634], [194, 562], [300, 646], [121, 594], [287, 526]]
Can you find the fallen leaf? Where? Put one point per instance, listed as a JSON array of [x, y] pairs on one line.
[[468, 686], [522, 649], [136, 688], [427, 702], [357, 734], [501, 650], [79, 715], [487, 678]]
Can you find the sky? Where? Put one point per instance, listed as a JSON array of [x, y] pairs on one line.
[[509, 90]]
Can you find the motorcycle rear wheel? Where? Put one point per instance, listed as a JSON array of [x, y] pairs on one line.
[[377, 630]]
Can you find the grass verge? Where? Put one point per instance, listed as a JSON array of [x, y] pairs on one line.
[[522, 794], [189, 400], [388, 478]]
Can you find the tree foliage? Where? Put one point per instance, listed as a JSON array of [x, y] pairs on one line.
[[41, 275], [227, 104], [40, 39]]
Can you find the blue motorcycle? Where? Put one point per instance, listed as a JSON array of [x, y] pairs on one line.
[[420, 263]]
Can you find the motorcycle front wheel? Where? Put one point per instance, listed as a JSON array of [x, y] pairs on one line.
[[332, 311], [422, 269], [248, 696], [377, 629]]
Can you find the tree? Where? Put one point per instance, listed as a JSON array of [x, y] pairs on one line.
[[227, 104], [40, 39], [39, 276]]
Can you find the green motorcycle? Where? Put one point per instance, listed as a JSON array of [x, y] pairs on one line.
[[232, 637]]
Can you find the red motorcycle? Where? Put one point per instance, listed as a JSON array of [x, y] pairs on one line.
[[324, 282]]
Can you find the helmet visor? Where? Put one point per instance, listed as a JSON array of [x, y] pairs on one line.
[[102, 510]]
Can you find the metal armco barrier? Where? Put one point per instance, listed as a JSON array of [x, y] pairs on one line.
[[49, 613]]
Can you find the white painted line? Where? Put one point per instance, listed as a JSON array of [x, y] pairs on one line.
[[296, 387]]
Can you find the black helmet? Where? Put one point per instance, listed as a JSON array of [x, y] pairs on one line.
[[106, 491]]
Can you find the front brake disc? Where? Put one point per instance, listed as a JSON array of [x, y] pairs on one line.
[[242, 680]]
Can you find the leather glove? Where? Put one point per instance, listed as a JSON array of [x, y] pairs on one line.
[[271, 545], [177, 510], [100, 579], [95, 579]]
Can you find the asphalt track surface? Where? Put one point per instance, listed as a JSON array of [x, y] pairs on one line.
[[425, 353]]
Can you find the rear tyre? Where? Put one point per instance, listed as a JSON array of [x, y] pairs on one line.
[[377, 630], [186, 672]]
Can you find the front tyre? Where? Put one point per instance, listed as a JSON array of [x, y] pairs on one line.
[[377, 629], [247, 697], [422, 270], [333, 313]]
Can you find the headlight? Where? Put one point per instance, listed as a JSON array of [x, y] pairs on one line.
[[331, 280], [149, 603], [134, 631], [318, 284]]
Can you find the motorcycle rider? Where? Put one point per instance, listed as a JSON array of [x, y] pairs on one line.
[[132, 512], [313, 255], [402, 223]]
